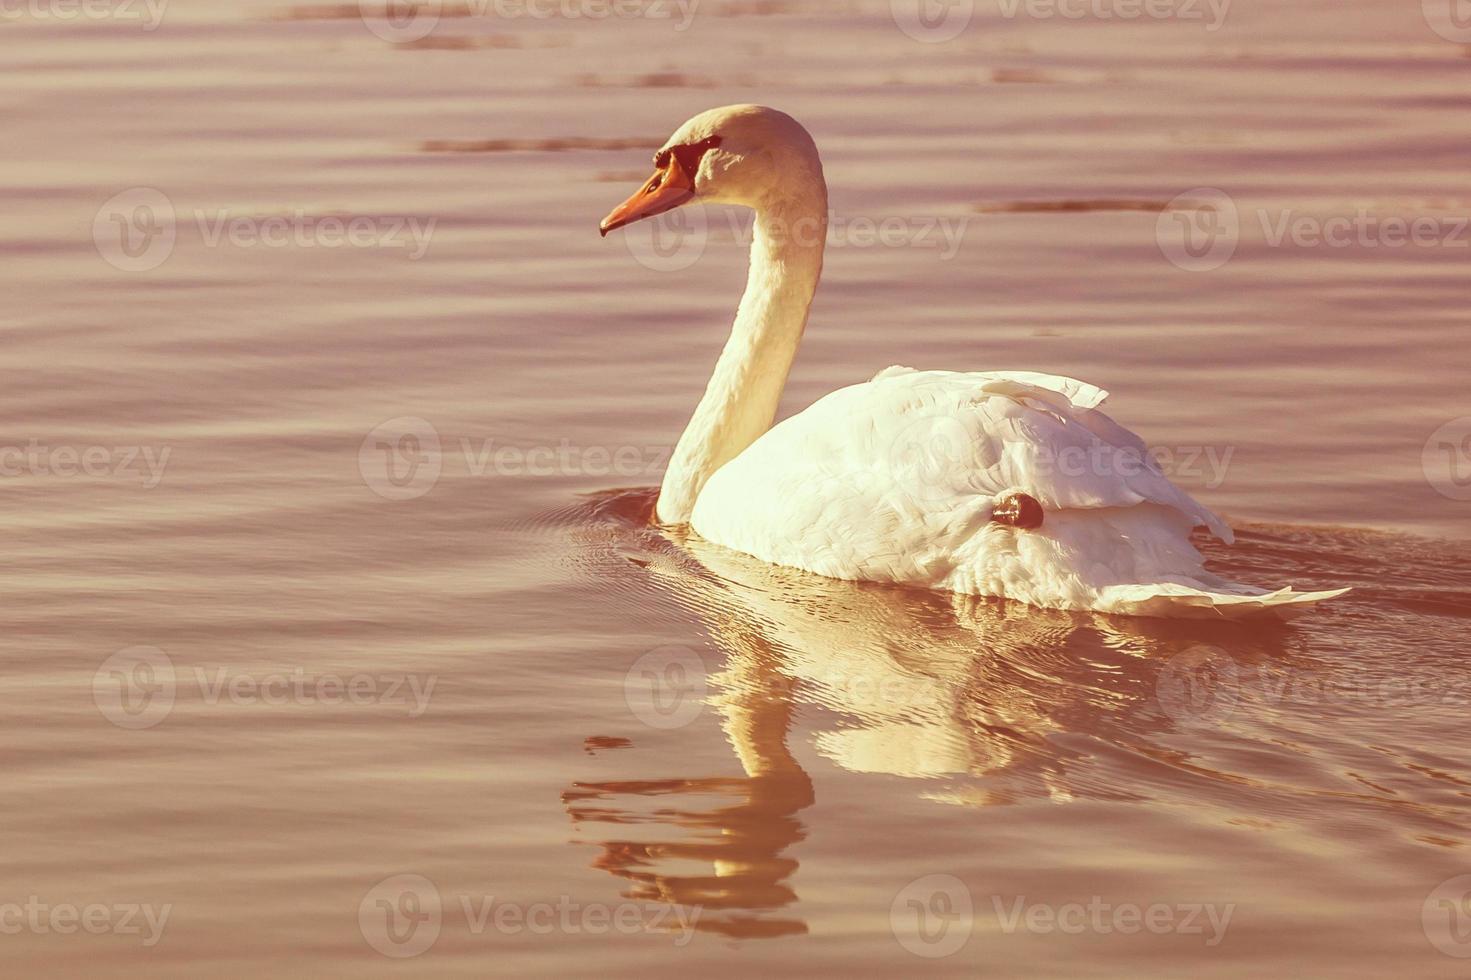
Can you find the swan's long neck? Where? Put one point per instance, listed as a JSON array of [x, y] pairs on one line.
[[740, 401]]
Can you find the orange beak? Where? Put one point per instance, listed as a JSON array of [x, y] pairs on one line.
[[665, 191]]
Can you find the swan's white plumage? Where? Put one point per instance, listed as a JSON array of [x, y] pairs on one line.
[[895, 479]]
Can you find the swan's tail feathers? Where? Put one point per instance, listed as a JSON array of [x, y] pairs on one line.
[[1185, 602]]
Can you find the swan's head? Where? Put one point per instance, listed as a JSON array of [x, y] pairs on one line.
[[749, 155]]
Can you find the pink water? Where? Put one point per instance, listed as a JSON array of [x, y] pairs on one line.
[[564, 713]]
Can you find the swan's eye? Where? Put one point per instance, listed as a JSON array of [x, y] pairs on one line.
[[688, 156]]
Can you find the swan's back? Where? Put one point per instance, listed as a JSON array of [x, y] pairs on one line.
[[895, 480]]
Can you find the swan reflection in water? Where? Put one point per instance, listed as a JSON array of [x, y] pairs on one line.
[[987, 702]]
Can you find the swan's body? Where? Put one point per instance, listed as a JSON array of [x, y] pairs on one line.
[[899, 479]]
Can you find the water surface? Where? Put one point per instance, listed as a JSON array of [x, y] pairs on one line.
[[223, 506]]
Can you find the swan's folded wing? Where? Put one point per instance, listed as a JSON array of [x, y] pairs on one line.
[[896, 479], [984, 433], [1080, 394]]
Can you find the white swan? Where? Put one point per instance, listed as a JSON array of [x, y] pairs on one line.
[[994, 483]]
